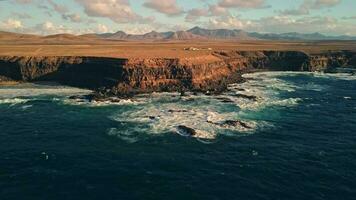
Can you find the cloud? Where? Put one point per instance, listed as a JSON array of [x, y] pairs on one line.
[[21, 15], [72, 17], [57, 7], [217, 10], [349, 18], [11, 25], [168, 7], [101, 28], [229, 22], [48, 28], [283, 24], [251, 4], [318, 4], [195, 14], [213, 10], [118, 11], [307, 5], [302, 10]]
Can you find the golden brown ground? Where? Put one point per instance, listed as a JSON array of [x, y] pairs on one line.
[[163, 49]]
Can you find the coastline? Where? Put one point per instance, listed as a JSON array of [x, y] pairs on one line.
[[125, 77]]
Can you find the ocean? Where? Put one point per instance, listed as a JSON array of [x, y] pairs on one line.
[[279, 135]]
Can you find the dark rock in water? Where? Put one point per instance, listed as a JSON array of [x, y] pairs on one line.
[[183, 94], [225, 100], [177, 111], [231, 123], [186, 131], [89, 98], [96, 97], [152, 117], [244, 96], [235, 123]]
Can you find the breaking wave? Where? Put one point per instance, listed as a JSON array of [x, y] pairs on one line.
[[31, 90], [13, 101], [203, 117]]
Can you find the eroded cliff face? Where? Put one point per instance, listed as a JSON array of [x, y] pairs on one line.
[[128, 76]]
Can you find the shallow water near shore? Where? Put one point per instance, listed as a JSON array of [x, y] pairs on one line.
[[293, 137]]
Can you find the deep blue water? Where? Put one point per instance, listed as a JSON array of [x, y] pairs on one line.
[[302, 144]]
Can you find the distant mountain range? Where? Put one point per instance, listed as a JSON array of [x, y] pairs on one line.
[[195, 33], [220, 34]]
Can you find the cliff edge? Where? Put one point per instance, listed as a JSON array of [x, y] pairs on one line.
[[121, 77]]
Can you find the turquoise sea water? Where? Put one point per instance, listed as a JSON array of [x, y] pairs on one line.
[[300, 144]]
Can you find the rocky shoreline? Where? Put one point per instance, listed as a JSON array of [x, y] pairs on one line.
[[126, 77]]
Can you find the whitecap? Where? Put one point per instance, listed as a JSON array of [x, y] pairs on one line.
[[163, 118], [124, 135], [13, 101], [26, 107], [32, 90], [340, 76], [118, 102]]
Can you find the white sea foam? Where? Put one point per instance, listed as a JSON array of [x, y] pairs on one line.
[[31, 90], [118, 102], [165, 112], [340, 76], [264, 89], [26, 107], [161, 118], [13, 101], [124, 135]]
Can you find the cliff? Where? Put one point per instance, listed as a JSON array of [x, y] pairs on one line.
[[116, 76]]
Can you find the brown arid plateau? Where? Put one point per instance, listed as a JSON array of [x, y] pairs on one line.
[[122, 68]]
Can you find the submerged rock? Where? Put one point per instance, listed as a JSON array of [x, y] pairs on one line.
[[98, 98], [235, 123], [152, 117], [186, 131], [225, 100], [231, 123], [244, 96], [177, 111]]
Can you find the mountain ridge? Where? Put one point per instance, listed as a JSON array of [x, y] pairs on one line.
[[196, 33]]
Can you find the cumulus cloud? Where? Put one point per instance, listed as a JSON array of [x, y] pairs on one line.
[[229, 22], [213, 10], [45, 28], [21, 15], [11, 25], [278, 24], [101, 28], [168, 7], [317, 4], [117, 10], [58, 7], [308, 5], [195, 14], [284, 24], [49, 27], [76, 18], [242, 3], [217, 10]]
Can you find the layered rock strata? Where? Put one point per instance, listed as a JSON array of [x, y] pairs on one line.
[[122, 77]]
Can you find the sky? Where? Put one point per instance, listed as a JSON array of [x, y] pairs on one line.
[[330, 17]]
